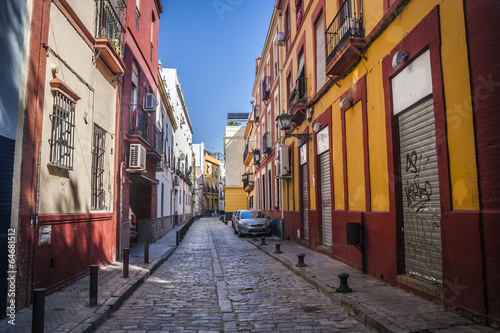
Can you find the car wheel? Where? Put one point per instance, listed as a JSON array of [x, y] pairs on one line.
[[239, 233]]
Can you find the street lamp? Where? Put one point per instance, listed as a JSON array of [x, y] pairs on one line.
[[285, 123]]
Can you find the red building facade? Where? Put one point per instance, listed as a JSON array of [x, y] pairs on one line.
[[136, 186]]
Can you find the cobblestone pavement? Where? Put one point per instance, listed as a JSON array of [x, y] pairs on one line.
[[67, 310], [217, 282]]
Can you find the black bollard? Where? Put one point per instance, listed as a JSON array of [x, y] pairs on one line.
[[177, 238], [126, 254], [38, 319], [263, 241], [343, 288], [301, 260], [146, 252], [278, 249], [94, 269]]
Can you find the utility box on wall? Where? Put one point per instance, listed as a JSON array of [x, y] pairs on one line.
[[353, 233]]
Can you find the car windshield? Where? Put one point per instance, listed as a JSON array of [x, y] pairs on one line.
[[252, 214]]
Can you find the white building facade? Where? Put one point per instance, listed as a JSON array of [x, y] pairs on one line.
[[165, 170], [182, 152]]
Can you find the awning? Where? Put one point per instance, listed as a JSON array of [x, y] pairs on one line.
[[142, 178]]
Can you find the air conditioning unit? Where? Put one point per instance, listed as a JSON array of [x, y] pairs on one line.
[[176, 181], [150, 102], [281, 161], [281, 38], [137, 158]]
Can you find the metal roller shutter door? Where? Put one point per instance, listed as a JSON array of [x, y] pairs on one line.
[[326, 206], [305, 202], [420, 191]]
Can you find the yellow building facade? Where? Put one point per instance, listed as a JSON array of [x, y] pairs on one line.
[[212, 174], [383, 135]]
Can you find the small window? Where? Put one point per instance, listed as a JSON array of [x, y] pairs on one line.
[[62, 135]]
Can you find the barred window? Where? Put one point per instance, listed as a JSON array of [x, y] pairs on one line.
[[62, 137], [98, 149]]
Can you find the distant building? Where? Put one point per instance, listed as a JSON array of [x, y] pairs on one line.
[[212, 173], [222, 182], [199, 203], [234, 144]]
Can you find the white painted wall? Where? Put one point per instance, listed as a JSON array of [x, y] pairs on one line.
[[63, 191], [183, 141]]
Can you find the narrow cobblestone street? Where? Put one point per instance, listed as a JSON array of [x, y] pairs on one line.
[[217, 282]]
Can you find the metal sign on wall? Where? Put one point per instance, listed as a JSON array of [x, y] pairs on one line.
[[303, 154], [322, 139]]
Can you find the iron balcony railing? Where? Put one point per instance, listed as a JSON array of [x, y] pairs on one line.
[[158, 140], [266, 142], [137, 19], [266, 88], [111, 17], [248, 149], [348, 22], [248, 179], [139, 122], [298, 95]]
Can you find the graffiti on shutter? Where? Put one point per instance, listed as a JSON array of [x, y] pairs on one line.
[[420, 191]]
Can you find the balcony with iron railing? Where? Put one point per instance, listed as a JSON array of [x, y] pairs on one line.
[[266, 143], [158, 140], [266, 88], [248, 153], [298, 99], [248, 182], [141, 131], [344, 39], [139, 122], [110, 33]]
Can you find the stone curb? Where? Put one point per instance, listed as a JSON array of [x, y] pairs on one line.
[[113, 303], [358, 311]]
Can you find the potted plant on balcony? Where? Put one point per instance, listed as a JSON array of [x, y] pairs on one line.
[[116, 46], [104, 32]]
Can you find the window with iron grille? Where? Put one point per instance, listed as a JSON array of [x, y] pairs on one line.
[[98, 149], [62, 138]]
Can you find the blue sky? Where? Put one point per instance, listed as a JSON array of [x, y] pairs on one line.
[[213, 44]]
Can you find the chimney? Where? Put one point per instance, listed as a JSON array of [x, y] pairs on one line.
[[257, 62]]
